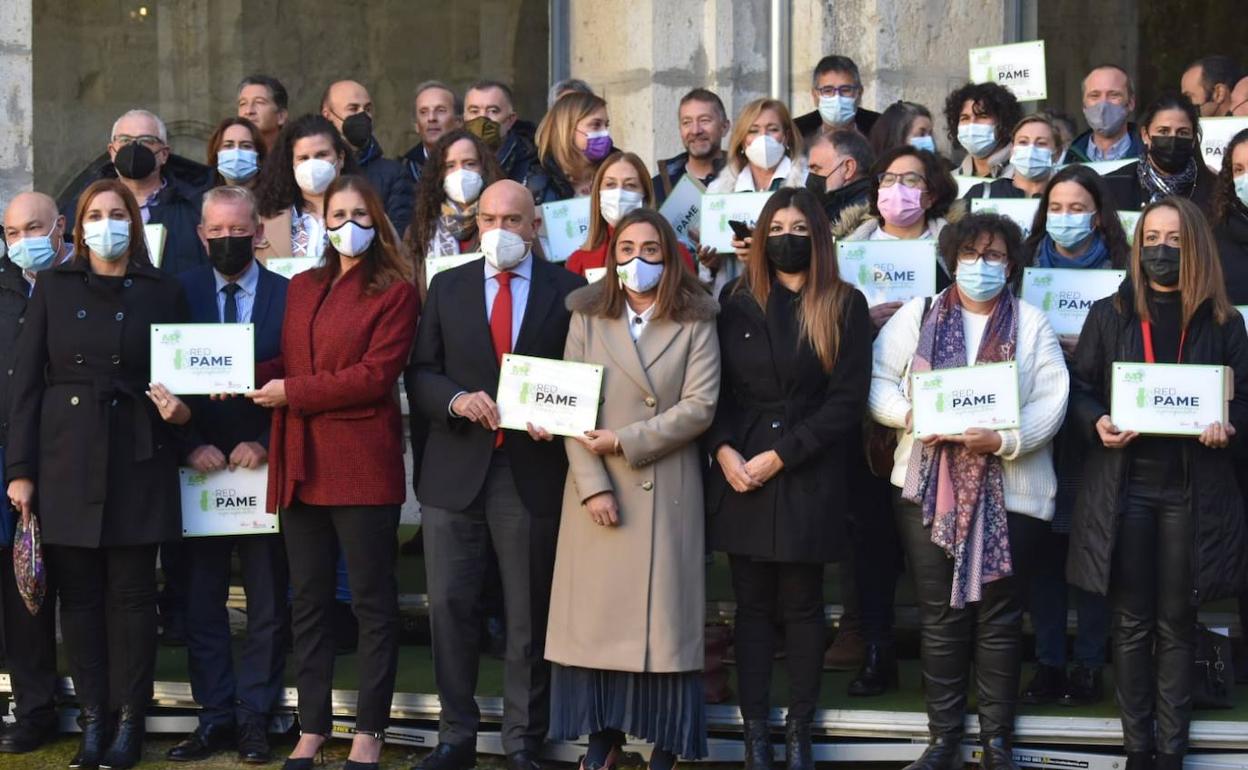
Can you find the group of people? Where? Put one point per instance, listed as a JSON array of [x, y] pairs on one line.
[[752, 403]]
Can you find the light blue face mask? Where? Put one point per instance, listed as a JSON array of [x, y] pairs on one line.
[[981, 280], [1032, 162], [923, 143], [1069, 230], [837, 110], [238, 165], [108, 239], [33, 253], [1241, 188], [978, 138]]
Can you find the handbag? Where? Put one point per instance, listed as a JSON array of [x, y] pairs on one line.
[[28, 566], [1213, 675]]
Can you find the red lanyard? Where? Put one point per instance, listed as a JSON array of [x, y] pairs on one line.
[[1147, 329]]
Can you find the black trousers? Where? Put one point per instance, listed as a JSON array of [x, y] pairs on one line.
[[368, 535], [990, 629], [29, 648], [1154, 620], [793, 593], [229, 694], [108, 621], [457, 547], [875, 558]]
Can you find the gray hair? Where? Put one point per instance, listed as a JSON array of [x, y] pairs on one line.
[[567, 84], [161, 133], [230, 193], [428, 85]]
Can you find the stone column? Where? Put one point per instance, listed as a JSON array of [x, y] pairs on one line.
[[17, 95]]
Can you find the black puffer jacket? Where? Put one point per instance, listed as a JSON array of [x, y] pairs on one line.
[[1112, 333]]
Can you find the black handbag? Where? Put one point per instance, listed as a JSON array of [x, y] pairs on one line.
[[1213, 676]]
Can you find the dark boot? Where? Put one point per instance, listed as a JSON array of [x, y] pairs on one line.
[[1139, 760], [997, 755], [797, 753], [1168, 761], [127, 748], [94, 742], [878, 672], [943, 753], [758, 754], [1046, 686]]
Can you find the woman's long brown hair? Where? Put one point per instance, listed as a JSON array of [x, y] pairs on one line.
[[136, 252], [386, 261], [1200, 270], [825, 297], [598, 225]]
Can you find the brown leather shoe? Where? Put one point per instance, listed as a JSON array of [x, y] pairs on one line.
[[847, 650]]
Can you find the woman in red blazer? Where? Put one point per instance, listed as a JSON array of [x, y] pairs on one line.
[[336, 456]]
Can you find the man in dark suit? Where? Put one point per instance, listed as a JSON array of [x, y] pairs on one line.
[[479, 484], [837, 91], [233, 433]]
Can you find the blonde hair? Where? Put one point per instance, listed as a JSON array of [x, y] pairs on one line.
[[1036, 117], [739, 137], [557, 131]]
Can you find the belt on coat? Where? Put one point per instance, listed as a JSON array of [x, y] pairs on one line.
[[107, 391]]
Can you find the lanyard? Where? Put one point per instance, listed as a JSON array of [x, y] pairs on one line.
[[1147, 329]]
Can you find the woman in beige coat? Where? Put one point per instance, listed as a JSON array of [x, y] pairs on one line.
[[627, 603]]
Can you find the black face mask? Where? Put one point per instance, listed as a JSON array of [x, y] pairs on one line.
[[789, 253], [1161, 264], [358, 129], [1171, 154], [230, 254], [134, 161]]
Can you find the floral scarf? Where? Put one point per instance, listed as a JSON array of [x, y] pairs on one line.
[[962, 494], [455, 224]]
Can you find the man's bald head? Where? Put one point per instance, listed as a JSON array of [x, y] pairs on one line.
[[31, 214], [344, 98], [1239, 98], [509, 205]]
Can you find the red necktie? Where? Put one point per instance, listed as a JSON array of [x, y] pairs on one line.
[[500, 326]]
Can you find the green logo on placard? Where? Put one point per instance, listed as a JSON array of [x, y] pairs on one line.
[[1141, 399], [172, 338], [570, 232], [524, 392], [179, 358], [1047, 304], [932, 383], [203, 500], [717, 205], [864, 274], [1043, 280], [1134, 377], [940, 402]]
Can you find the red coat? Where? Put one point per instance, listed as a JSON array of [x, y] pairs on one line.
[[339, 439], [584, 259]]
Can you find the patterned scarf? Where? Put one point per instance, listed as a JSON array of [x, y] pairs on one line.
[[962, 494], [1159, 185], [454, 225]]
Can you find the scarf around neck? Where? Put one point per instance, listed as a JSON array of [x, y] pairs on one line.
[[1096, 256], [1160, 185], [455, 225]]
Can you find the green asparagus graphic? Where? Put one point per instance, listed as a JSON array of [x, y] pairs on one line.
[[178, 361], [571, 232], [864, 275], [940, 402], [203, 500], [1140, 398], [1047, 305], [524, 393]]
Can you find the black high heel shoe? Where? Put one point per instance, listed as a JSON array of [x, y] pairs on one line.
[[306, 763], [94, 742], [127, 747]]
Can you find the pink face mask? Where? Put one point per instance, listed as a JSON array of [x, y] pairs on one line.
[[900, 205]]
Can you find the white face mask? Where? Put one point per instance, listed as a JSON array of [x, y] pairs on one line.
[[764, 151], [351, 239], [314, 175], [463, 186], [107, 239], [639, 275], [503, 249], [617, 204]]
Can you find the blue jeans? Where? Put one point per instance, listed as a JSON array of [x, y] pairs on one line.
[[1048, 606]]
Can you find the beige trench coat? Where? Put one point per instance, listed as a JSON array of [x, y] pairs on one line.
[[632, 597]]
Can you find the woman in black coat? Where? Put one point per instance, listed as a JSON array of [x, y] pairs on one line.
[[93, 453], [1172, 164], [796, 347], [1158, 525]]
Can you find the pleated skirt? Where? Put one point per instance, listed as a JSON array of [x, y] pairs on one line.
[[666, 710]]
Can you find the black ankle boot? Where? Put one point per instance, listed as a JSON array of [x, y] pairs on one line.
[[943, 753], [998, 755], [1140, 760], [94, 742], [1168, 761], [878, 672], [127, 746], [758, 754], [797, 753]]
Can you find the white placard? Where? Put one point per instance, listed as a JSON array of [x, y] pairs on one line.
[[1021, 211], [948, 401], [201, 359], [889, 271], [1129, 220], [720, 208], [1167, 399], [682, 207], [155, 234], [1215, 135], [1243, 311], [560, 396], [565, 226], [444, 262], [1102, 167], [289, 267], [1018, 66], [1066, 295], [965, 183], [226, 502], [595, 274]]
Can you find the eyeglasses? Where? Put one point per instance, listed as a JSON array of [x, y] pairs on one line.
[[147, 140], [967, 255], [908, 179], [847, 91]]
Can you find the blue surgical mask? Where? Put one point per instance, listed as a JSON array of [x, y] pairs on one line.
[[978, 138], [837, 110], [1241, 188], [1069, 230], [238, 165], [923, 143], [33, 252], [1032, 162], [981, 280], [107, 239]]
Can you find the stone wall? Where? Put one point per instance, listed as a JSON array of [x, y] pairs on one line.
[[16, 87]]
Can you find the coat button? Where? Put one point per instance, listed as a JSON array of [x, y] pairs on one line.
[[73, 400], [747, 335], [78, 358], [775, 424], [120, 316], [650, 402], [22, 320], [116, 359], [82, 314], [647, 485], [10, 372], [128, 282]]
